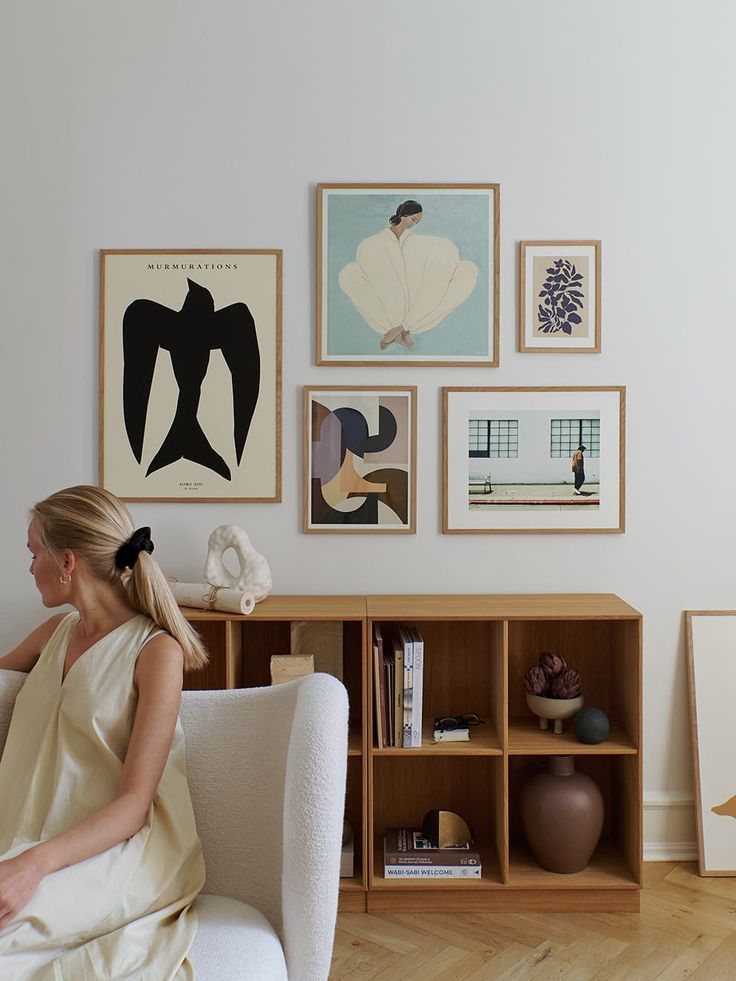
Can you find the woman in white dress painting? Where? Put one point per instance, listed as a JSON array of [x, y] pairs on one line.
[[404, 284]]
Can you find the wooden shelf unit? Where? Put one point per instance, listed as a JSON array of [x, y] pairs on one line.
[[477, 649]]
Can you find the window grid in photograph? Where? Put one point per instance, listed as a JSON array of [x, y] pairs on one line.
[[493, 438], [567, 434]]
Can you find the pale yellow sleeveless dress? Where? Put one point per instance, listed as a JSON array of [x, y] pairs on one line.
[[125, 913]]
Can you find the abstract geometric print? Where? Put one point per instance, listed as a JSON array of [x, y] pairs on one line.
[[360, 449]]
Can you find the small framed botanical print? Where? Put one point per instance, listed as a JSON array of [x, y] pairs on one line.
[[560, 297], [360, 459]]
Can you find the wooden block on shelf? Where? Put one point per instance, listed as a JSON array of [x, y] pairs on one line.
[[287, 667]]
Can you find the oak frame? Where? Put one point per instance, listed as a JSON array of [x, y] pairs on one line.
[[525, 347], [410, 529], [703, 870], [492, 362], [276, 497], [619, 528]]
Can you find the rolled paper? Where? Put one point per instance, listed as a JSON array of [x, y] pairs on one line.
[[204, 596]]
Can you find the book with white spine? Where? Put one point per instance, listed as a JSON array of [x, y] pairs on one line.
[[418, 683], [408, 700]]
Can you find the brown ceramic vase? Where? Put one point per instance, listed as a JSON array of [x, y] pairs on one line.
[[562, 816]]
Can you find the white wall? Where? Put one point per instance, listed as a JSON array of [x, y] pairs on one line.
[[177, 124]]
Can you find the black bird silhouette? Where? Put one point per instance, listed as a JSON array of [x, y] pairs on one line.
[[189, 335]]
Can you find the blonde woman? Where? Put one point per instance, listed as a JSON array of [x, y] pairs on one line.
[[99, 854]]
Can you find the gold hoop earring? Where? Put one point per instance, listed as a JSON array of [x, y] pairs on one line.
[[65, 577]]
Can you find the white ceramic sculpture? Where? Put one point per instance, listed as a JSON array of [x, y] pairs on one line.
[[254, 576]]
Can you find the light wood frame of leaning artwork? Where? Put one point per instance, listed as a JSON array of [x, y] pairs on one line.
[[410, 393], [408, 190], [711, 678], [231, 277], [562, 513], [558, 343]]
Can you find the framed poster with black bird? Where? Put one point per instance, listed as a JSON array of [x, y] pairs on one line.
[[190, 374]]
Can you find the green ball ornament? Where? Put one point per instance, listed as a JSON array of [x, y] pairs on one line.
[[591, 725]]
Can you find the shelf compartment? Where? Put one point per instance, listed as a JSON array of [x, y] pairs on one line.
[[464, 671], [527, 739], [616, 863], [484, 741], [605, 652], [607, 869], [406, 787]]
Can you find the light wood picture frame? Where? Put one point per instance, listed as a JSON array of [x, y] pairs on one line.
[[360, 456], [560, 297], [512, 462], [190, 374], [375, 304], [711, 664]]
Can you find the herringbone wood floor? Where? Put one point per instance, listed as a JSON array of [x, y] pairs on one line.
[[686, 929]]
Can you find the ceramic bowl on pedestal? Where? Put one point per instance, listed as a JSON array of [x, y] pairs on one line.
[[553, 709]]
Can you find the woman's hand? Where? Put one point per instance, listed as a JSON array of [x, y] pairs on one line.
[[19, 879]]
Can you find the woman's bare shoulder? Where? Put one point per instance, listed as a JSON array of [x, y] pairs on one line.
[[24, 656]]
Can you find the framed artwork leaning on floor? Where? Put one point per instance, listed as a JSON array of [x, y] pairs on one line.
[[360, 459], [190, 374], [533, 460], [407, 274], [711, 639], [560, 297]]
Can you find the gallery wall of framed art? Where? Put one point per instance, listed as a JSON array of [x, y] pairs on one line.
[[407, 276]]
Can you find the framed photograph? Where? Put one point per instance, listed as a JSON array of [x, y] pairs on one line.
[[407, 274], [560, 297], [533, 460], [711, 642], [190, 374], [360, 454]]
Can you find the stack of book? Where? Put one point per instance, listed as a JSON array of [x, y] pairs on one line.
[[406, 854], [398, 672]]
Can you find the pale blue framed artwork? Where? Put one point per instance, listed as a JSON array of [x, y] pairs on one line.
[[407, 274]]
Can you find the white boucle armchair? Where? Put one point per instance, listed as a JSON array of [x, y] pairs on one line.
[[267, 770]]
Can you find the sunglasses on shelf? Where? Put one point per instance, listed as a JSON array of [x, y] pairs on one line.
[[448, 722]]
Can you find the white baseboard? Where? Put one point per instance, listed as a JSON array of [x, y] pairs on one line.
[[670, 851], [669, 828]]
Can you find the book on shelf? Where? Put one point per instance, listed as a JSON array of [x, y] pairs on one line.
[[388, 675], [379, 687], [398, 697], [459, 735], [407, 853], [418, 685], [408, 699]]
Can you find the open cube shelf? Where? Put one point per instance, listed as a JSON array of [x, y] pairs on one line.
[[477, 649]]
